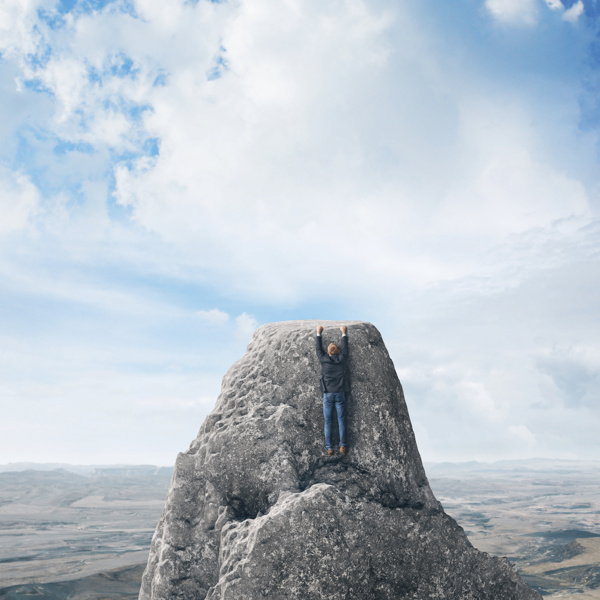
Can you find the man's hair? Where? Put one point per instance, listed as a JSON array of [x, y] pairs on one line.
[[332, 349]]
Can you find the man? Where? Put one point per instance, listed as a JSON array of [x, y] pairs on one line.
[[334, 385]]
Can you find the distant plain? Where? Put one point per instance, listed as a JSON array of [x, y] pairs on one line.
[[84, 533]]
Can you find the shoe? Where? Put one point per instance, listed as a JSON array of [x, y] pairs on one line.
[[330, 452], [343, 450]]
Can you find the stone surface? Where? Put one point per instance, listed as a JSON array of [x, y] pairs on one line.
[[257, 510]]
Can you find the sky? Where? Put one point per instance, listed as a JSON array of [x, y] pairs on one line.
[[175, 174]]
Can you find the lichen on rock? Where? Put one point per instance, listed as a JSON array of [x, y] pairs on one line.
[[257, 510]]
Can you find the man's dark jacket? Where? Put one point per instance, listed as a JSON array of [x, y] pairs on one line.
[[334, 376]]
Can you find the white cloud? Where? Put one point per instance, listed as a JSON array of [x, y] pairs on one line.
[[574, 372], [227, 171], [519, 12], [17, 18], [555, 4], [246, 324], [522, 432], [19, 201], [383, 167], [572, 14], [213, 316], [478, 400], [513, 193]]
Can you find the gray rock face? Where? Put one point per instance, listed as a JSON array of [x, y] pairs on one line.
[[257, 510]]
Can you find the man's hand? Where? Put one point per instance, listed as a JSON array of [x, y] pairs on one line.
[[319, 329], [344, 329]]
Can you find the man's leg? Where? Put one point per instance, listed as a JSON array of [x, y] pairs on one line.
[[340, 409], [327, 413]]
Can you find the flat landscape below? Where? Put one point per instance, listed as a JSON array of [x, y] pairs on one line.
[[74, 535], [542, 515], [85, 533]]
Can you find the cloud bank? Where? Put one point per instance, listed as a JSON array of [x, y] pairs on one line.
[[177, 173]]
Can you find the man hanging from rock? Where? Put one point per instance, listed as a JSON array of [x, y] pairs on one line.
[[335, 384]]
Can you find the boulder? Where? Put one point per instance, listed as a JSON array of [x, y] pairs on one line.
[[257, 510]]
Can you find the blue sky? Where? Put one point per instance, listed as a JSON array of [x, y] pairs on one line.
[[174, 174]]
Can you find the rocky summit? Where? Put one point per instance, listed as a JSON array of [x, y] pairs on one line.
[[256, 508]]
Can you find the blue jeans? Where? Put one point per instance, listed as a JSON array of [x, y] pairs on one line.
[[339, 400]]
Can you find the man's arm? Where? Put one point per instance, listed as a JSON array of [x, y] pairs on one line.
[[319, 347], [344, 341]]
